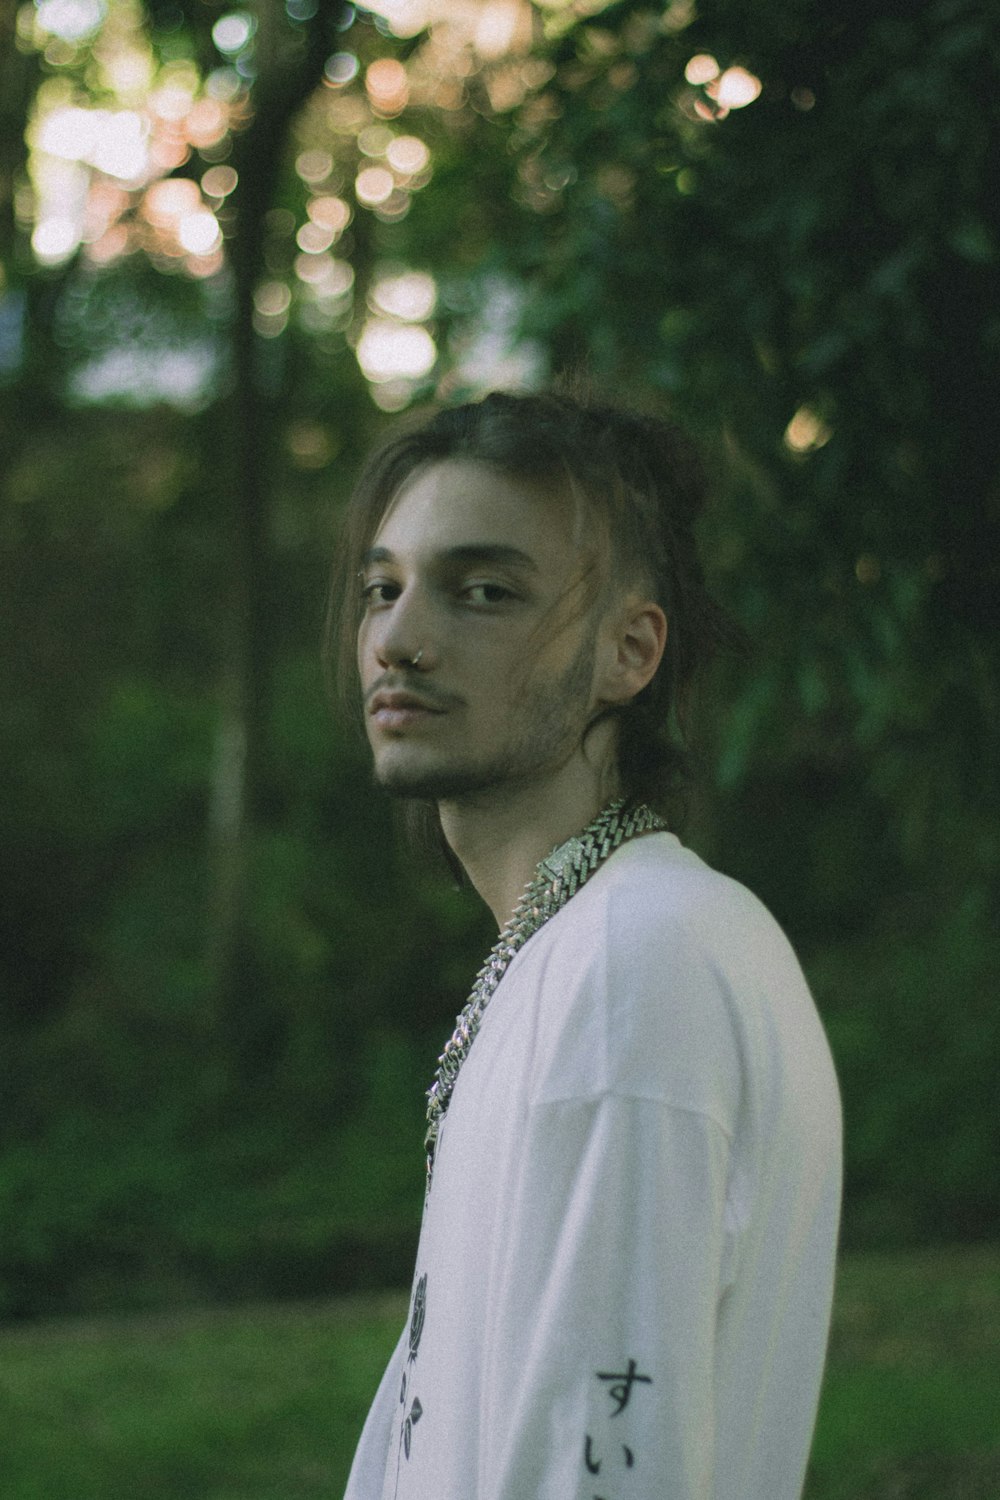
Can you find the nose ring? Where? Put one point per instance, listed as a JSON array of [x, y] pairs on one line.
[[415, 660]]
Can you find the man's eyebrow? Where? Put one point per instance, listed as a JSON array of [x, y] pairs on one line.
[[495, 553]]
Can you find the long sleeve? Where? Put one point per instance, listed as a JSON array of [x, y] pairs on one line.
[[367, 1477], [600, 1337]]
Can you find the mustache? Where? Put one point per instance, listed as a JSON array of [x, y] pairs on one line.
[[392, 682]]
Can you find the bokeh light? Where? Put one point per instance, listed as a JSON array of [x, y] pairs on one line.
[[736, 89], [55, 239], [119, 147], [113, 141], [198, 233], [373, 185], [271, 302], [310, 444], [325, 274], [91, 164], [407, 155], [219, 182], [231, 33], [224, 84], [387, 85], [340, 69], [314, 238], [396, 206], [375, 140], [338, 280], [806, 431], [701, 68], [272, 298], [329, 212], [502, 26], [106, 202], [67, 133], [314, 166], [206, 123], [203, 266], [167, 201], [108, 246], [405, 18], [409, 295], [173, 99], [395, 351], [70, 20]]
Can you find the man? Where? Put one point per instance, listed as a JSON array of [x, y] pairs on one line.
[[625, 1267]]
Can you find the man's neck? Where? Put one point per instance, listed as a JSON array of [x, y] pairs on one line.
[[500, 835]]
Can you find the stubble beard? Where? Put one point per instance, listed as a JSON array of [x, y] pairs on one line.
[[550, 724]]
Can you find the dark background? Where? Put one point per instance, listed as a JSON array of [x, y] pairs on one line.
[[223, 982]]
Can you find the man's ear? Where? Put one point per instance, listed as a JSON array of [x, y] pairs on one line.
[[632, 650]]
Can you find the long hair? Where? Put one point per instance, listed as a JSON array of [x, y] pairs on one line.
[[640, 480]]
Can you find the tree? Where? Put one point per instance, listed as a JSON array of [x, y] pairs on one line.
[[234, 240]]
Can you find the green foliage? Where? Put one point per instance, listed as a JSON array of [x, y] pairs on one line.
[[809, 283], [910, 1018], [800, 253]]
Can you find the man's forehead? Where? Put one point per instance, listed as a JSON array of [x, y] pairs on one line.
[[459, 503]]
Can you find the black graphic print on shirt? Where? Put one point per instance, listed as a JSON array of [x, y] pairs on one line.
[[603, 1453], [414, 1411]]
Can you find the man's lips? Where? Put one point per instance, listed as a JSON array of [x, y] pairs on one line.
[[391, 709]]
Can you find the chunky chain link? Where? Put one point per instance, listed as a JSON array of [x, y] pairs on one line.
[[557, 878]]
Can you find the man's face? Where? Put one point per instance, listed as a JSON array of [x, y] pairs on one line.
[[483, 577]]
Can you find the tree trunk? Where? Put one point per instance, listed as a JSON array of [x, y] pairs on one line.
[[290, 65]]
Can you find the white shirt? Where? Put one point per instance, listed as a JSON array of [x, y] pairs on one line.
[[625, 1267]]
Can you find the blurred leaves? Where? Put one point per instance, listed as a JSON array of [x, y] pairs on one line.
[[808, 282]]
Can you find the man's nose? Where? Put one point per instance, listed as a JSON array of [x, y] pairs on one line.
[[406, 640]]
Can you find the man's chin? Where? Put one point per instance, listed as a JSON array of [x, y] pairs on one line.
[[434, 783], [429, 788]]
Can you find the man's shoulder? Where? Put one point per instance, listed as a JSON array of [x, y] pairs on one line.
[[639, 983], [656, 890], [657, 919], [664, 979]]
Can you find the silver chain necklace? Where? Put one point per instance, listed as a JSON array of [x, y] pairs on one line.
[[557, 877]]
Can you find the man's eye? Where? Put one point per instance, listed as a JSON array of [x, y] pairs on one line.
[[379, 591], [486, 593]]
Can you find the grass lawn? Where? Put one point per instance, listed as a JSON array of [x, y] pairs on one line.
[[911, 1401], [265, 1403]]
